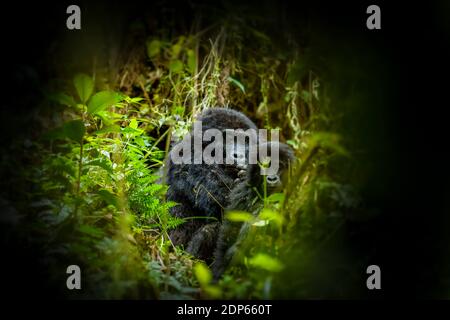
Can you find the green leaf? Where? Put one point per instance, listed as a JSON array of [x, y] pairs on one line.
[[74, 130], [153, 48], [108, 197], [84, 85], [109, 129], [54, 134], [135, 99], [260, 223], [238, 216], [271, 215], [131, 132], [91, 231], [141, 142], [102, 100], [63, 99], [237, 83], [203, 274], [293, 143], [133, 124], [179, 110], [176, 66], [266, 262], [106, 119], [276, 197], [109, 117], [102, 163], [191, 61], [176, 49], [213, 291]]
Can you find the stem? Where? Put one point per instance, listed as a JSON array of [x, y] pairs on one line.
[[265, 191], [156, 142], [80, 160], [80, 168]]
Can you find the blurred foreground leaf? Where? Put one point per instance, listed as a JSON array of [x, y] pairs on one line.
[[84, 85]]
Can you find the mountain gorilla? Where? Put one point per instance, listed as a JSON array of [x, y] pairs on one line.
[[205, 191], [202, 189]]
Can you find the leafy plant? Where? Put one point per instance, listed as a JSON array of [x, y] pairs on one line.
[[98, 195]]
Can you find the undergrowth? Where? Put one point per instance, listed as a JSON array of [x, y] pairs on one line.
[[97, 199]]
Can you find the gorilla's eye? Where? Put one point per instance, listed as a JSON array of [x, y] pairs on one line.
[[273, 179]]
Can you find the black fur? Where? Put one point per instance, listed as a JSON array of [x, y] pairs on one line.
[[222, 118], [202, 190]]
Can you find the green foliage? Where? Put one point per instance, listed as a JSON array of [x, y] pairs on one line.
[[237, 83], [74, 130], [204, 277], [266, 262], [239, 216], [102, 100], [84, 85], [153, 48], [99, 184], [99, 193]]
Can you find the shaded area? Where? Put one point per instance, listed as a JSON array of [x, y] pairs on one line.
[[373, 84]]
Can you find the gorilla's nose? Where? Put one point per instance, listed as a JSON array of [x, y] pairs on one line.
[[272, 179]]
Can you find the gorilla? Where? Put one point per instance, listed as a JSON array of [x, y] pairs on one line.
[[202, 190]]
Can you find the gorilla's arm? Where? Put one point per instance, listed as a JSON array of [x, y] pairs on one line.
[[203, 242], [242, 198]]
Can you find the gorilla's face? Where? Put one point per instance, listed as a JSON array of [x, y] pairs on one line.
[[237, 148], [273, 180], [239, 154], [276, 181]]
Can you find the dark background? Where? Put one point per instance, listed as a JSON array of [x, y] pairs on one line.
[[412, 186]]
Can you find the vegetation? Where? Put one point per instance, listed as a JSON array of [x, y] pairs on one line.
[[92, 194]]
